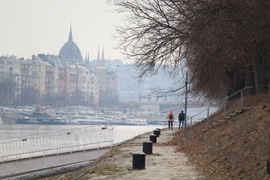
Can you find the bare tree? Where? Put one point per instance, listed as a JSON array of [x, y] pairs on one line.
[[108, 98], [227, 38], [153, 35], [29, 96], [7, 91], [218, 39]]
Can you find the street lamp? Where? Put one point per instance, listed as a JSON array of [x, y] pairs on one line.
[[185, 127]]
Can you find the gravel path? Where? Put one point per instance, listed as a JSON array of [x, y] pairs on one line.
[[164, 164]]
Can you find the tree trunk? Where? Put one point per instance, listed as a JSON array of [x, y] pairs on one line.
[[260, 68], [237, 81], [249, 82]]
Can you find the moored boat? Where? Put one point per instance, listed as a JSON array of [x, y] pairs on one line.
[[133, 121], [63, 118]]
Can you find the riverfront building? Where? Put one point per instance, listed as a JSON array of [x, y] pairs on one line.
[[66, 75], [10, 68]]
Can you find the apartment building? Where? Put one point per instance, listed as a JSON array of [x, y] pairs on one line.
[[10, 69]]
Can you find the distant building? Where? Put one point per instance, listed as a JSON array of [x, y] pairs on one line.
[[10, 69], [66, 75], [33, 73], [107, 77], [70, 52], [54, 74], [101, 78]]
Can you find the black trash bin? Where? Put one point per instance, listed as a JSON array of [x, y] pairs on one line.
[[153, 138], [148, 147], [138, 161]]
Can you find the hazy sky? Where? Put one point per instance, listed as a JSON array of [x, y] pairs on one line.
[[29, 27]]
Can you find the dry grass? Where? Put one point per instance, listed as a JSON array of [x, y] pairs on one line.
[[236, 148]]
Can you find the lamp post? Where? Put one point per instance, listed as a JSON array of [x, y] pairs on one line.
[[185, 127]]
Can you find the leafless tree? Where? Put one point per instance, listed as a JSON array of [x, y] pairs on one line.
[[29, 96], [7, 91], [218, 39]]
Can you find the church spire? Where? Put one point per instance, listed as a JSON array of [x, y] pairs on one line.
[[87, 61], [102, 56], [98, 57], [85, 58], [70, 33]]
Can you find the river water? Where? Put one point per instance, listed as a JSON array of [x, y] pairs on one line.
[[120, 133], [22, 131]]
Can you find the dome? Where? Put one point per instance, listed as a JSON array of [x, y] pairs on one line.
[[70, 51]]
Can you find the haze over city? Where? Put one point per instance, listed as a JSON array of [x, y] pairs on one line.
[[37, 26], [33, 27]]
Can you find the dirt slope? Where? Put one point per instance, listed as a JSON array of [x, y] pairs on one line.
[[236, 148]]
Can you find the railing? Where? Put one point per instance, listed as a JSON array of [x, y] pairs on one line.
[[55, 151], [190, 118], [61, 142], [241, 99]]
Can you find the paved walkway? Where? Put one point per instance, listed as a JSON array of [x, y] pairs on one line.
[[23, 167], [164, 164]]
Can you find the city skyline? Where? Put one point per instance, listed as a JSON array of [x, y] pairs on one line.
[[31, 27]]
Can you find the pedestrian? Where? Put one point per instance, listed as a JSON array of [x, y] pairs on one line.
[[181, 119], [170, 118]]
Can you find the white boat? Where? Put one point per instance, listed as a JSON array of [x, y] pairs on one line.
[[125, 120], [81, 117], [64, 117], [91, 120], [135, 121]]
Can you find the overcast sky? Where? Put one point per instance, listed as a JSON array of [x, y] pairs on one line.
[[29, 27]]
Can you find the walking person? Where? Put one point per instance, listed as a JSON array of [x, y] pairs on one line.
[[181, 119], [170, 118]]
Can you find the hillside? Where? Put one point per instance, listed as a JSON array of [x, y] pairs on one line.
[[236, 148]]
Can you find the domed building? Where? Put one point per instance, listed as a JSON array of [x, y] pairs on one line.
[[82, 77], [80, 80], [70, 52]]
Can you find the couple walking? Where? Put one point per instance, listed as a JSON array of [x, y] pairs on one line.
[[170, 118]]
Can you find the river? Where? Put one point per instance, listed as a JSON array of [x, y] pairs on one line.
[[119, 133]]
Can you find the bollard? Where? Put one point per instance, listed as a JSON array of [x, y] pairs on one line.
[[153, 138], [138, 161], [158, 129], [148, 147], [157, 133]]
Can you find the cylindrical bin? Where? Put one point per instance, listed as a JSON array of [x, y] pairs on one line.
[[157, 133], [153, 138], [148, 147], [138, 161], [158, 129]]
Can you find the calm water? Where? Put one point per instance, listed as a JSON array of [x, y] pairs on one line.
[[29, 138], [120, 133], [21, 131]]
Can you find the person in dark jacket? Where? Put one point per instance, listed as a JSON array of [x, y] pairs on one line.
[[181, 119]]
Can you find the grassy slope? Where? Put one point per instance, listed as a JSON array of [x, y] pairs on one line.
[[236, 148]]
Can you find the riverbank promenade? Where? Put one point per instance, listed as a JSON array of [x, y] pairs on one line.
[[164, 163], [46, 150]]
